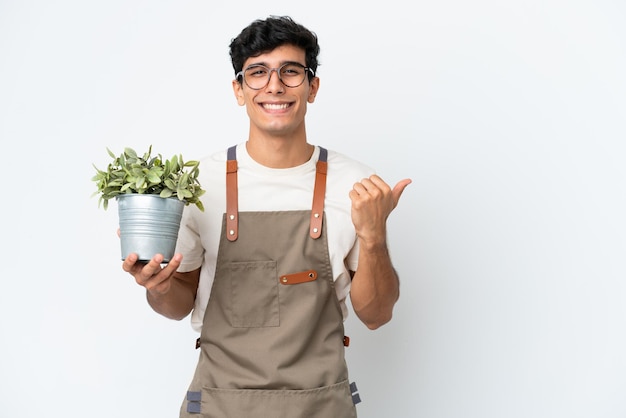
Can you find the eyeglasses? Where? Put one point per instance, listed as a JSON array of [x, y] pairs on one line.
[[291, 74]]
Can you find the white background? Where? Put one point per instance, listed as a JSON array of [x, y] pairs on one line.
[[509, 116]]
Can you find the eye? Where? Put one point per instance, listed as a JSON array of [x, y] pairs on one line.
[[291, 70], [256, 71]]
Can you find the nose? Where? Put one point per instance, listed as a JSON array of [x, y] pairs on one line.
[[274, 84]]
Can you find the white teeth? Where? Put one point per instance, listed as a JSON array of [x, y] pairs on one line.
[[271, 106]]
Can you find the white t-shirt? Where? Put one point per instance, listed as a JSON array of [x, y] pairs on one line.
[[269, 189]]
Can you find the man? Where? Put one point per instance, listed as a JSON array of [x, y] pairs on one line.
[[289, 230]]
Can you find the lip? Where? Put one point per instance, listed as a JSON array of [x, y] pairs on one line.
[[275, 106]]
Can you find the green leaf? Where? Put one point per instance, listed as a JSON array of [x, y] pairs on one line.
[[130, 152], [140, 183], [153, 178], [170, 184], [174, 166]]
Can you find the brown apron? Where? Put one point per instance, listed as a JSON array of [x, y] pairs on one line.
[[272, 340]]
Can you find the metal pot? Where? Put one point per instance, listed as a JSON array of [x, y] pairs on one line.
[[149, 225]]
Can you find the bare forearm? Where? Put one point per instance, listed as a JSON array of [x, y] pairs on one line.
[[375, 286]]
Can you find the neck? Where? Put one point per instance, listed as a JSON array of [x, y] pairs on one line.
[[279, 152]]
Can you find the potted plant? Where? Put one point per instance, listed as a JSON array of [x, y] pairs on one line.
[[151, 194]]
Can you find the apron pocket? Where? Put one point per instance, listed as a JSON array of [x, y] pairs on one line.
[[254, 294], [328, 401]]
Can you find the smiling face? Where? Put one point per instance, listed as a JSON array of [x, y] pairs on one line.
[[277, 111]]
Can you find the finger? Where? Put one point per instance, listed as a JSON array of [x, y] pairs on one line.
[[142, 272], [152, 267], [378, 182], [130, 262], [360, 188], [173, 264], [372, 186], [161, 282], [398, 189]]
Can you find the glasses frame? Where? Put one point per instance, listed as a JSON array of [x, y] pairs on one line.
[[269, 74]]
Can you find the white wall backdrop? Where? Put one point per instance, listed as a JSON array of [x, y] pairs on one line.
[[508, 116]]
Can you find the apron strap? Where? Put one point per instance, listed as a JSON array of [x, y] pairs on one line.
[[232, 203], [319, 192], [232, 206]]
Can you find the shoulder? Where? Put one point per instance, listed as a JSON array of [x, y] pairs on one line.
[[214, 158], [347, 167], [213, 164]]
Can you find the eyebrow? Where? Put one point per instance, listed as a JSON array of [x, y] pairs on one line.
[[280, 65]]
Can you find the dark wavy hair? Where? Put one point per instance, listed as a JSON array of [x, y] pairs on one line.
[[263, 36]]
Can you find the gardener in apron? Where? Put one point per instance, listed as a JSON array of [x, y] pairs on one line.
[[288, 231]]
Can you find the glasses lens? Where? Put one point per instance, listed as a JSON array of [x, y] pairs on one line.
[[258, 76], [292, 75]]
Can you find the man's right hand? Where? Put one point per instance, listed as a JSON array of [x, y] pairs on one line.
[[152, 275], [170, 293]]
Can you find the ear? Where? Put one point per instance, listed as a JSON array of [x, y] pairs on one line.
[[238, 90], [313, 89]]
